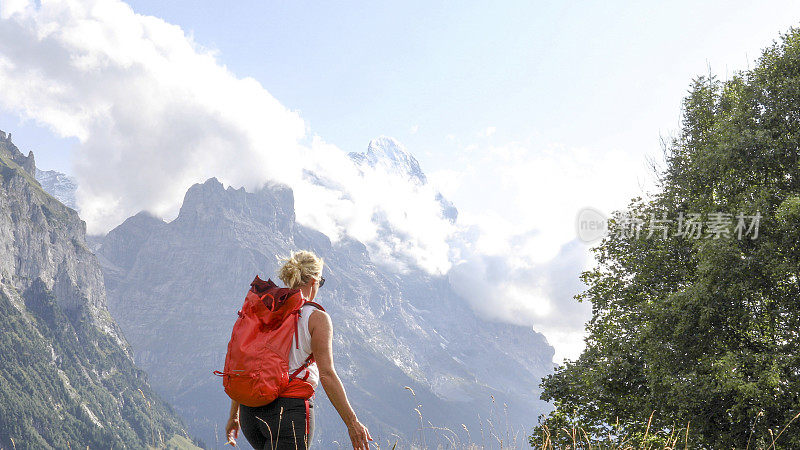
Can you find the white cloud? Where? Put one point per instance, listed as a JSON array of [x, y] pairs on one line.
[[413, 129], [542, 184], [155, 113], [447, 181], [502, 275], [486, 132], [522, 242]]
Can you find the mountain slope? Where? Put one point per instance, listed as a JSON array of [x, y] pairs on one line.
[[175, 289], [67, 377]]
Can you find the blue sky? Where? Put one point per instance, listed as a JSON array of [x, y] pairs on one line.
[[608, 74], [580, 73], [519, 112]]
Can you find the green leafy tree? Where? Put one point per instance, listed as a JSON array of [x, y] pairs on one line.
[[696, 338]]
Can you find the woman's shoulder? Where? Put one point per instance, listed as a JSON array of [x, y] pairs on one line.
[[310, 310], [318, 317]]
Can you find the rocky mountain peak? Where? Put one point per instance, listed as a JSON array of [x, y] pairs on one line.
[[9, 150], [58, 185], [126, 239], [211, 203], [390, 154], [387, 153]]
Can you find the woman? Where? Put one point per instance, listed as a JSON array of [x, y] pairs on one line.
[[276, 425]]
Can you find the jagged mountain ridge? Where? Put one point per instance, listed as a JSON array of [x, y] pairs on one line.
[[384, 152], [67, 377], [175, 289]]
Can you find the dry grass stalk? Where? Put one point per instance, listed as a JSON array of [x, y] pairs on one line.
[[269, 429], [784, 429]]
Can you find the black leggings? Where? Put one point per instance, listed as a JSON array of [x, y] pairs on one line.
[[280, 425]]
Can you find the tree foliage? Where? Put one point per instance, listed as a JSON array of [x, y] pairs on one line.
[[702, 331]]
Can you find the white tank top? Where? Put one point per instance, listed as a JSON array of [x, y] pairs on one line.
[[297, 356]]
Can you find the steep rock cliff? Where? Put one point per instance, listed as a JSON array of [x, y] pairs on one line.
[[67, 379]]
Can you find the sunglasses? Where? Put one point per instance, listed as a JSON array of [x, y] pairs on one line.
[[321, 281]]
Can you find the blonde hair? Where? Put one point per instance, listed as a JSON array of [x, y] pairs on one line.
[[299, 268]]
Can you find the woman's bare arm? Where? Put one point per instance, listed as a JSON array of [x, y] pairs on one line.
[[321, 329], [232, 427]]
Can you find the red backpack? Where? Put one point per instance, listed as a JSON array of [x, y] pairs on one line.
[[257, 363]]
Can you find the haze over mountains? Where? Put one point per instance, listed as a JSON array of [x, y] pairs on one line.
[[174, 288]]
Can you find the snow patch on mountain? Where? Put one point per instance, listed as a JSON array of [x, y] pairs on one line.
[[387, 154], [390, 155], [59, 185]]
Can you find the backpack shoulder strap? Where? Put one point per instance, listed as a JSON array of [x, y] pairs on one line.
[[314, 304], [308, 362], [310, 359]]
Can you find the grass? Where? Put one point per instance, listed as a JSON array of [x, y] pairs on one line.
[[429, 436], [496, 428], [178, 442], [677, 438]]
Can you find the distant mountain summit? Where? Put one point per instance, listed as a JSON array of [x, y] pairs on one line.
[[59, 185], [390, 155], [387, 153], [66, 376]]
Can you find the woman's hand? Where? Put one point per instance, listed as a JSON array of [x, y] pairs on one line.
[[232, 430], [359, 435], [232, 427]]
